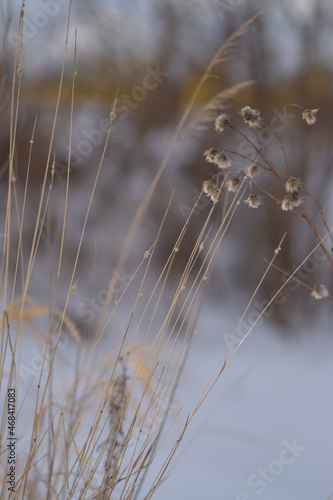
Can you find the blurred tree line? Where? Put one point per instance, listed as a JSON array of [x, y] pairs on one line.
[[153, 54]]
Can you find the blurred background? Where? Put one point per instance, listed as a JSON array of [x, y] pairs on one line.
[[153, 54]]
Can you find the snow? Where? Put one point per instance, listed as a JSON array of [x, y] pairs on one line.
[[275, 390]]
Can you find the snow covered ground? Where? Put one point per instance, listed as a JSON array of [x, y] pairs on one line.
[[266, 429]]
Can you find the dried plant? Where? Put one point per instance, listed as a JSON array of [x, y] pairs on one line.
[[98, 436]]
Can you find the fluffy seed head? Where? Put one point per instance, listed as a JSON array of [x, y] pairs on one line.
[[218, 158], [222, 161], [319, 292], [253, 201], [233, 185], [291, 201], [211, 190], [222, 122], [292, 185], [252, 170], [251, 117], [210, 155], [309, 116]]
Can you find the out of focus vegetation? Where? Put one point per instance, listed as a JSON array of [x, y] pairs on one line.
[[286, 51]]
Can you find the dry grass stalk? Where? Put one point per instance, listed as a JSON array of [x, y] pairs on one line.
[[80, 444]]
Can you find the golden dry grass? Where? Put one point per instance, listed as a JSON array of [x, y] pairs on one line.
[[98, 436]]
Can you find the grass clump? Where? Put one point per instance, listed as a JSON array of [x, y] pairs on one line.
[[95, 417]]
